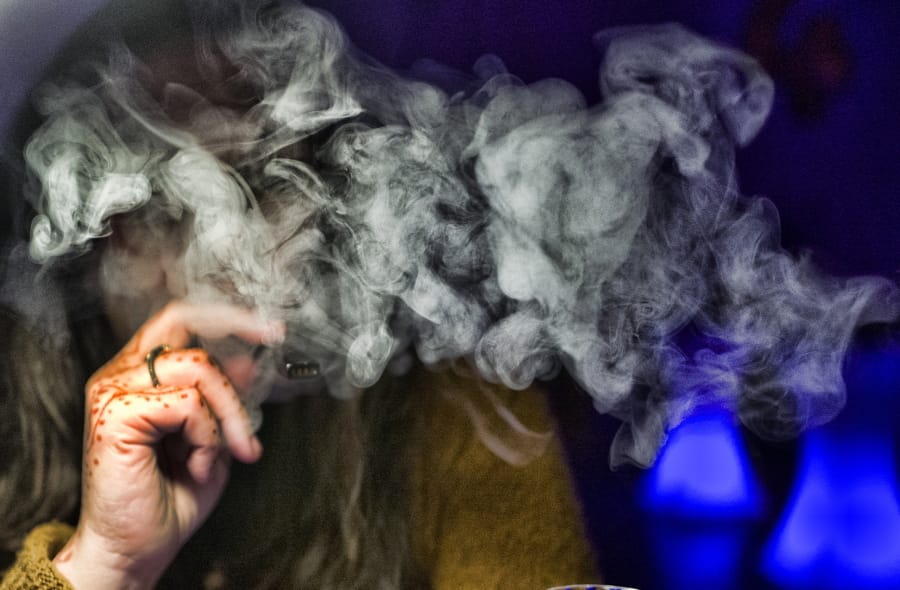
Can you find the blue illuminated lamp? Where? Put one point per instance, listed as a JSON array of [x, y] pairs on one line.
[[703, 472], [703, 499], [841, 526]]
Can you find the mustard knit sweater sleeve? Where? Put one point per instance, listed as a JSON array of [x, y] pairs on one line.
[[482, 523], [33, 569]]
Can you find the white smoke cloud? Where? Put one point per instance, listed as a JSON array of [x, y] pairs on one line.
[[508, 224]]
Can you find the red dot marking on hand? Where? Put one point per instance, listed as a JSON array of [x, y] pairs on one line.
[[99, 437], [101, 422], [196, 358], [179, 359], [106, 409], [165, 405], [183, 396], [96, 462]]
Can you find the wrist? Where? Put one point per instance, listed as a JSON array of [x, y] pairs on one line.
[[87, 563]]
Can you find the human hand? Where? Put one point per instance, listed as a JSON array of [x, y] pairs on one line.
[[154, 466]]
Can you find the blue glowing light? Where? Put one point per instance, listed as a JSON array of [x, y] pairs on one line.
[[703, 472], [842, 523], [703, 497], [841, 527], [691, 554]]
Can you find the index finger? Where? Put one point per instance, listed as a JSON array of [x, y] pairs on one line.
[[178, 321]]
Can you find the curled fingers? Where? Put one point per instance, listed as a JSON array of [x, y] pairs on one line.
[[135, 422], [194, 369]]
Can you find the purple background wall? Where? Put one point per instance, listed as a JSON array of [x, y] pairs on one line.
[[830, 155]]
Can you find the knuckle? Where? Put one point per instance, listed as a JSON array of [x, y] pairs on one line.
[[93, 387], [173, 306], [200, 355], [193, 402], [189, 360], [173, 311], [103, 386], [190, 396]]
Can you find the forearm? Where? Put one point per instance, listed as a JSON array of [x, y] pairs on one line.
[[87, 562]]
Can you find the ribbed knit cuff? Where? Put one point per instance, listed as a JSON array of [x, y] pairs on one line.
[[33, 569]]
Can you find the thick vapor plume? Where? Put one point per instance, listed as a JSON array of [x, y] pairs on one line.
[[510, 225]]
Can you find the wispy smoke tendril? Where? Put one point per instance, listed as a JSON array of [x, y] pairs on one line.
[[508, 224]]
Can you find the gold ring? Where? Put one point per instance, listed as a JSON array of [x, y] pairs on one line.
[[151, 358]]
